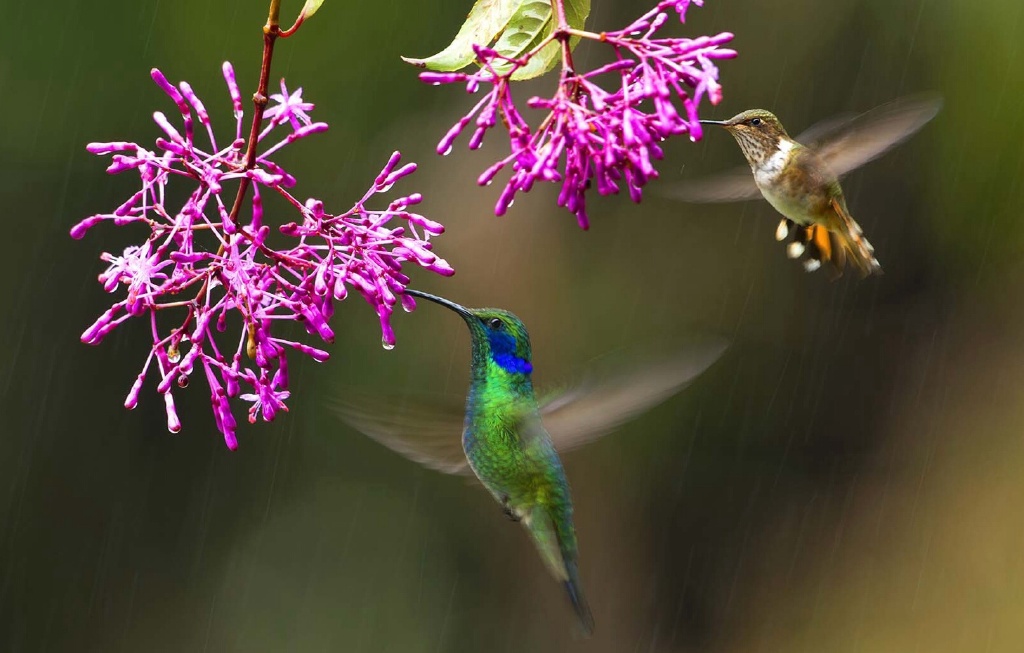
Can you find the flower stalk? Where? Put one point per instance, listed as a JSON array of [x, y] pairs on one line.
[[594, 133], [222, 259], [259, 100], [564, 34]]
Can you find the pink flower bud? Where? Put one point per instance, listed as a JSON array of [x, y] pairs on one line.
[[161, 120], [133, 395], [107, 148], [173, 423], [393, 161], [78, 231]]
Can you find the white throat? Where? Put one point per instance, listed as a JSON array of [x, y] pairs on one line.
[[771, 169]]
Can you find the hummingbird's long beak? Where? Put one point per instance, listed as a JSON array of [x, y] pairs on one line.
[[458, 308], [722, 123]]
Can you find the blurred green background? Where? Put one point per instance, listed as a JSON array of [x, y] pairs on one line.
[[847, 478]]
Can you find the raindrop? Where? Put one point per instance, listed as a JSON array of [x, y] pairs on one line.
[[173, 353], [387, 345], [447, 151], [183, 381]]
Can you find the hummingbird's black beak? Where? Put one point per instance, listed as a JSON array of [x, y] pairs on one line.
[[721, 123], [458, 308]]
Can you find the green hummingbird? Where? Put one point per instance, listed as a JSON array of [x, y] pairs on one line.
[[510, 441], [800, 177]]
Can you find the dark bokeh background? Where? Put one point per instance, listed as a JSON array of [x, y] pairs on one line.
[[847, 478]]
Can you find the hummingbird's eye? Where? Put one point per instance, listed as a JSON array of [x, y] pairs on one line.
[[755, 122], [495, 323]]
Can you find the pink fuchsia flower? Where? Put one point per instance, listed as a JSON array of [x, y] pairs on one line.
[[594, 132], [230, 290]]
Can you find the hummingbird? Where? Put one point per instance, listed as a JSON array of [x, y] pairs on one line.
[[511, 441], [800, 177]]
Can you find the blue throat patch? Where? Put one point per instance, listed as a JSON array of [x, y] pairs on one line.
[[503, 353]]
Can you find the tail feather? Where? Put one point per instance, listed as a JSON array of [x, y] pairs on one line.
[[557, 547], [850, 242], [579, 602], [834, 248]]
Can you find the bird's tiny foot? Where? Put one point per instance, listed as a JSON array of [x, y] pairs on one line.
[[509, 512]]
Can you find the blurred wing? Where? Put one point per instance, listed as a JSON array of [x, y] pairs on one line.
[[736, 185], [845, 142], [849, 144], [819, 132], [427, 432], [603, 402]]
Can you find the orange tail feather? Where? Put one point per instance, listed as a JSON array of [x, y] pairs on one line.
[[850, 240]]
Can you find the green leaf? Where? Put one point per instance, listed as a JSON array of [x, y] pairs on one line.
[[534, 22], [310, 8], [485, 22], [514, 27]]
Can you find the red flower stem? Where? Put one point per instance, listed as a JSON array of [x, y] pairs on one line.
[[259, 100], [562, 33]]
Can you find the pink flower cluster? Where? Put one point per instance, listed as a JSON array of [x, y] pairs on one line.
[[204, 271], [590, 134]]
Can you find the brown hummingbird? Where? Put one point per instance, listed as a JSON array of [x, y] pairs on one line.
[[800, 177]]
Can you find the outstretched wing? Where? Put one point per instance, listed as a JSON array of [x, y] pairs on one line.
[[603, 402], [822, 131], [850, 144], [429, 432], [425, 431], [844, 142]]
